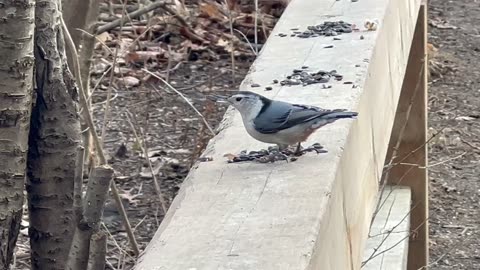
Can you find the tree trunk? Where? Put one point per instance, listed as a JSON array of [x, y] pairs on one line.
[[54, 139], [83, 14], [88, 41], [16, 69], [75, 17]]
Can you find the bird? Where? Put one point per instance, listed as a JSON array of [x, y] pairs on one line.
[[282, 123]]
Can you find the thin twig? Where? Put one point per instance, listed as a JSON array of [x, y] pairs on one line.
[[139, 223], [99, 40], [83, 98], [123, 251], [434, 164], [145, 153], [98, 82], [202, 83], [135, 14], [264, 29], [389, 167], [140, 12], [394, 245], [255, 27], [232, 53], [78, 183], [399, 181], [169, 64], [470, 144], [453, 247], [99, 150], [106, 113], [390, 231], [399, 139], [255, 51], [183, 97]]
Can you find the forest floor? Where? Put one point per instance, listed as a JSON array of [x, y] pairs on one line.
[[454, 109], [142, 107]]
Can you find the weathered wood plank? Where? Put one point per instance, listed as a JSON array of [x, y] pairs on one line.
[[387, 244], [313, 213]]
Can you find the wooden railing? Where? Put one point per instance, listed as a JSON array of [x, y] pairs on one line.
[[314, 213]]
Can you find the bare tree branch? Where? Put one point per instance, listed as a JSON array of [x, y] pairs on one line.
[[143, 145], [98, 147], [98, 251], [93, 205]]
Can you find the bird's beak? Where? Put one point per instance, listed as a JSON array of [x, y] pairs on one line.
[[218, 98]]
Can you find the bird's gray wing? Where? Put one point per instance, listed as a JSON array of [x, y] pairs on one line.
[[279, 115]]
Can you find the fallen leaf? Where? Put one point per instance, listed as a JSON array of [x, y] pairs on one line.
[[441, 24], [143, 56], [129, 197], [130, 81], [103, 37], [99, 67], [230, 156], [147, 173], [121, 70], [211, 11]]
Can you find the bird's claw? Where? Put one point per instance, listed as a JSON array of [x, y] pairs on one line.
[[316, 147]]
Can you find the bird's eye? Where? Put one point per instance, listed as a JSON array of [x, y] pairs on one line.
[[238, 99]]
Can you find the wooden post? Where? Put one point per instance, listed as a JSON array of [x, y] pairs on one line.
[[410, 135]]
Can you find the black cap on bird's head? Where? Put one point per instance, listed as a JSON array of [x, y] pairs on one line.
[[246, 100], [243, 101]]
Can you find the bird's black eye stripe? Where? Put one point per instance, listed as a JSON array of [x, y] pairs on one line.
[[238, 99]]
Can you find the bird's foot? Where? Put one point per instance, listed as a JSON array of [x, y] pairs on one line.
[[286, 151], [316, 147]]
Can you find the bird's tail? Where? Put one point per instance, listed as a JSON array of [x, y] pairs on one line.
[[339, 114], [333, 116]]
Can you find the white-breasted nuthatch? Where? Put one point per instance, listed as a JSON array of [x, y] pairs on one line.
[[282, 123]]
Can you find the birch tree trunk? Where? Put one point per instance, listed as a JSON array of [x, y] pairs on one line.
[[54, 138], [16, 69]]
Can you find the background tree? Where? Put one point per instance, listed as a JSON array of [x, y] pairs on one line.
[[80, 18], [16, 69]]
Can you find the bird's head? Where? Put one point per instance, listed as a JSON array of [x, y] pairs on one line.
[[246, 102]]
